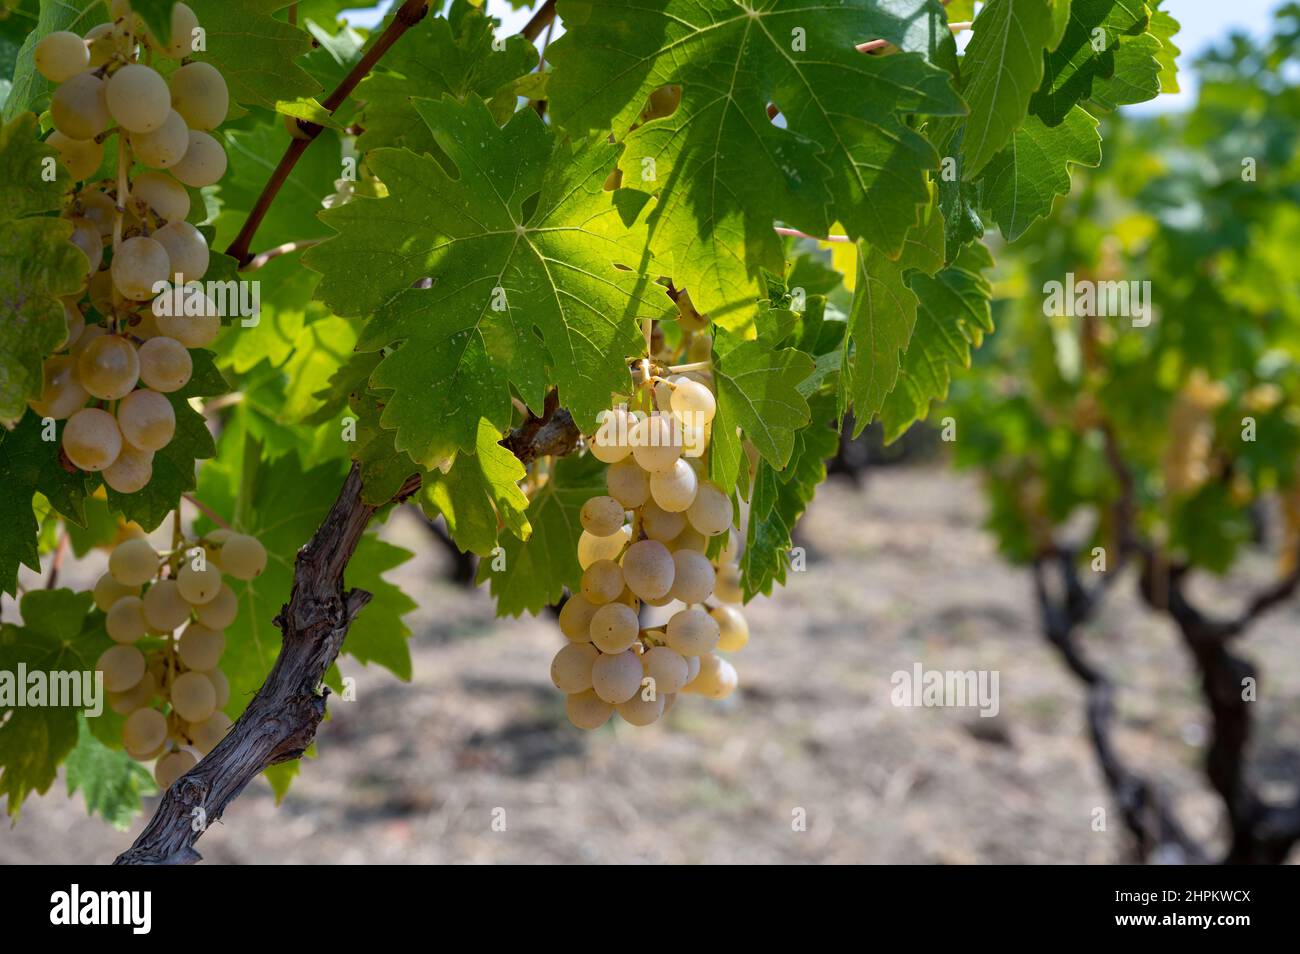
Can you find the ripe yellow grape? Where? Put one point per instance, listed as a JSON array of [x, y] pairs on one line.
[[165, 364], [727, 586], [186, 249], [98, 206], [593, 548], [204, 163], [602, 582], [717, 678], [601, 516], [648, 569], [660, 524], [172, 765], [125, 621], [74, 323], [139, 265], [609, 444], [138, 98], [133, 562], [85, 235], [199, 94], [641, 711], [692, 632], [656, 442], [180, 42], [147, 420], [586, 710], [144, 731], [165, 608], [693, 403], [243, 557], [108, 591], [160, 193], [220, 611], [693, 577], [99, 40], [122, 666], [193, 331], [206, 734], [674, 489], [571, 667], [199, 586], [79, 107], [193, 696], [164, 146], [614, 627], [81, 157], [667, 668], [201, 647], [109, 368], [132, 470], [87, 338], [221, 685], [124, 703], [616, 677], [710, 512], [91, 439], [628, 483], [732, 626], [61, 55], [575, 618], [62, 395]]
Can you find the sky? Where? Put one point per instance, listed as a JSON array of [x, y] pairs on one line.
[[1203, 23]]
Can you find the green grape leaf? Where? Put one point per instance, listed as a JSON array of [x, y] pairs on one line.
[[31, 91], [1086, 53], [173, 466], [844, 153], [1164, 27], [534, 572], [1022, 181], [255, 52], [30, 465], [524, 240], [479, 495], [59, 635], [954, 315], [1002, 68], [157, 16], [434, 60], [112, 783], [1137, 76]]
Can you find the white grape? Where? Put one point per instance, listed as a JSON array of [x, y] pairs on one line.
[[85, 235], [200, 648], [616, 677], [97, 205], [131, 471], [164, 146], [164, 607], [206, 734], [243, 557], [628, 483], [81, 157], [79, 108], [689, 539], [125, 620], [602, 582], [173, 765], [586, 710], [727, 587], [165, 364], [693, 577], [710, 512], [147, 420], [122, 666], [660, 524], [717, 678], [571, 668], [199, 586], [138, 696], [220, 611], [692, 632], [108, 591], [601, 516], [61, 55], [138, 98], [609, 444], [193, 331], [693, 403], [592, 548], [140, 264], [186, 249], [162, 194], [692, 671], [109, 368], [193, 696], [648, 569], [667, 667], [575, 618], [133, 562], [222, 686], [641, 711], [199, 94], [74, 323], [100, 43], [91, 439], [732, 626], [62, 394], [656, 442], [674, 489], [614, 627], [180, 43], [204, 163], [143, 731]]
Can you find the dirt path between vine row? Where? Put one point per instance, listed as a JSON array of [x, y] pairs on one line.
[[899, 572]]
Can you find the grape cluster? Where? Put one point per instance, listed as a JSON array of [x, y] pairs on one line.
[[134, 234], [611, 661], [169, 684], [1188, 460]]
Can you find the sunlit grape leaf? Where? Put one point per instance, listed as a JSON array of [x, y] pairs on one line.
[[953, 316], [31, 90], [1164, 27], [1022, 181], [59, 634], [254, 51], [479, 495], [112, 783], [722, 170], [1137, 75], [1086, 53], [537, 570], [521, 247]]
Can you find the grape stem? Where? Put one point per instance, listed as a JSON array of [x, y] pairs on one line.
[[205, 510], [261, 258], [795, 233], [60, 552], [693, 366]]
